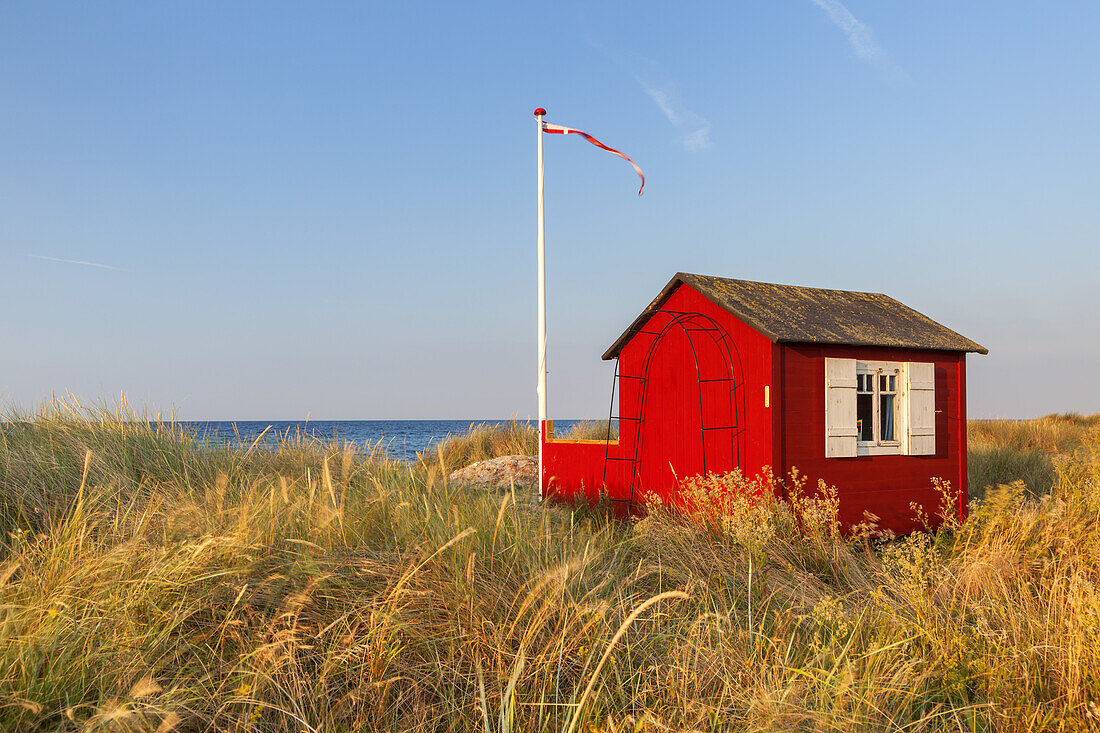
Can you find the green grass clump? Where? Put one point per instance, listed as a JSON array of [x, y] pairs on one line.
[[1053, 433], [492, 440], [150, 581], [1003, 451], [591, 430], [483, 441]]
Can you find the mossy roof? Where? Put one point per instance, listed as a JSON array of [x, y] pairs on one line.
[[795, 314]]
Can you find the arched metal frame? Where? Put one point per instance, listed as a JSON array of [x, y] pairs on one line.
[[688, 322]]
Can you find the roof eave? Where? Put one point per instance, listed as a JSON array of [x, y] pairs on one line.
[[973, 348]]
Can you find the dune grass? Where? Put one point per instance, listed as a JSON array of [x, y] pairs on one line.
[[1003, 451], [490, 440], [482, 441], [150, 581], [591, 430]]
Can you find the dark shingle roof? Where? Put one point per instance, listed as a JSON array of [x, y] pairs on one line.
[[793, 314]]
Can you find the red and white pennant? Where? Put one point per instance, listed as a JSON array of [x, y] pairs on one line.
[[562, 130]]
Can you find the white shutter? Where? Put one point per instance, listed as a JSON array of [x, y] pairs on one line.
[[840, 408], [921, 408]]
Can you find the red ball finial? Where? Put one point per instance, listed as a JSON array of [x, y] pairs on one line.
[[540, 112]]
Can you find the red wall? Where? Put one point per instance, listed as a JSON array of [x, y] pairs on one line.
[[573, 471], [672, 439], [884, 485]]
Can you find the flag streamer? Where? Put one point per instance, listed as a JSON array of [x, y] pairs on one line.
[[561, 130], [545, 427]]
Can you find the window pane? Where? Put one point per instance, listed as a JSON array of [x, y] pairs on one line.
[[865, 419], [891, 382], [886, 414], [882, 383]]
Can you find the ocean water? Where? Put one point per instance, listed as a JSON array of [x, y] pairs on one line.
[[401, 439]]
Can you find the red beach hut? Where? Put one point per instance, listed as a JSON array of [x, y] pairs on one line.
[[853, 388]]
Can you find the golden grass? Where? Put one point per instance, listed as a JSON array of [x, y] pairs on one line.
[[491, 440], [591, 430], [1003, 451], [152, 582], [482, 441], [1053, 433]]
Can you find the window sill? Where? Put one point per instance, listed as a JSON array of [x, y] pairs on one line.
[[874, 449]]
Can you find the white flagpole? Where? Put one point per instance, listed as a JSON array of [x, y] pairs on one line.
[[542, 302]]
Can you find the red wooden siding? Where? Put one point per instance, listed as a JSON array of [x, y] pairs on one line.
[[883, 485]]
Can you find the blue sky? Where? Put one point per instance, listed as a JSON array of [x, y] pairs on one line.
[[328, 209]]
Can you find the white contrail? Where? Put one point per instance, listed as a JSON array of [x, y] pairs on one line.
[[860, 37], [693, 129], [699, 139], [75, 262], [661, 98]]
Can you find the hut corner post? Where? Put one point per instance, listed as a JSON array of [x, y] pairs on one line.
[[541, 337]]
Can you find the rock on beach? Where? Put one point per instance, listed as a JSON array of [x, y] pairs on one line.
[[499, 473]]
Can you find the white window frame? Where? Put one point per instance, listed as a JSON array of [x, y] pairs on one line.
[[914, 405], [877, 446]]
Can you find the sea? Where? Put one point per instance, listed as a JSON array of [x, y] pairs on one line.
[[400, 439]]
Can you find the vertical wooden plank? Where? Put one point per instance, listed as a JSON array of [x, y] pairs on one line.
[[961, 452], [922, 408], [840, 408], [777, 410]]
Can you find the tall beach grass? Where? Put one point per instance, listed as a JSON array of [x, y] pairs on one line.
[[1003, 451], [150, 581]]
